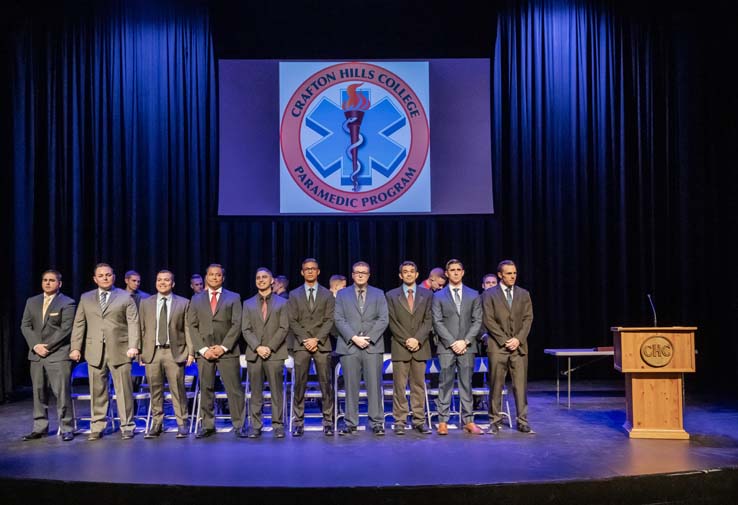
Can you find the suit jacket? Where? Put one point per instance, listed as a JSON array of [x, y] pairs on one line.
[[138, 296], [179, 329], [54, 330], [316, 323], [503, 322], [222, 328], [451, 325], [350, 320], [117, 327], [271, 332], [405, 324]]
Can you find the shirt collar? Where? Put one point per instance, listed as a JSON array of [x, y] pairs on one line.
[[405, 287]]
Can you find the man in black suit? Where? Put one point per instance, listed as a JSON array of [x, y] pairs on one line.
[[264, 326], [508, 316], [410, 321], [215, 328], [47, 328], [311, 308]]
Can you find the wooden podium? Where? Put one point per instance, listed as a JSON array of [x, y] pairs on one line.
[[654, 360]]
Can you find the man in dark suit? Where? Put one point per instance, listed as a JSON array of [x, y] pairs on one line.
[[167, 349], [215, 329], [457, 320], [508, 316], [133, 281], [264, 327], [311, 308], [106, 329], [410, 321], [361, 318], [47, 327]]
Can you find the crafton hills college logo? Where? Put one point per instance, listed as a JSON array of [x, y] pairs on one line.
[[354, 137]]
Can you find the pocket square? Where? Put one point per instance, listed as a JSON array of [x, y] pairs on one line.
[[53, 314]]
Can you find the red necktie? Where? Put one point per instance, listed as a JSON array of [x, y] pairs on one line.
[[410, 299], [214, 301], [264, 309]]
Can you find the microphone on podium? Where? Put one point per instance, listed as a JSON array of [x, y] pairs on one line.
[[653, 309]]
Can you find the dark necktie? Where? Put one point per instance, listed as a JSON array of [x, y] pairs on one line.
[[410, 299], [311, 298], [103, 300], [457, 300], [161, 337], [361, 300], [264, 309], [509, 297]]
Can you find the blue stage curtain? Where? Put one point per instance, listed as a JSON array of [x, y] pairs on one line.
[[613, 140]]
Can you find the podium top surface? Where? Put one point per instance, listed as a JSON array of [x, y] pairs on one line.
[[653, 328]]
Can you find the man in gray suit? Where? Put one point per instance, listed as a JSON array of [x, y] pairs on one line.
[[215, 329], [410, 321], [508, 316], [361, 318], [167, 349], [106, 330], [457, 319], [132, 280], [311, 308], [264, 327], [47, 327]]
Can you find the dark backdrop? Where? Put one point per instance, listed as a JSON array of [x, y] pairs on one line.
[[613, 144]]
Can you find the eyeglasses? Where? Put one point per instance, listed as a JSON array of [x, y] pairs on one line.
[[360, 273]]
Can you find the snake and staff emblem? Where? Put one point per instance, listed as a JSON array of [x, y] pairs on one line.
[[353, 109]]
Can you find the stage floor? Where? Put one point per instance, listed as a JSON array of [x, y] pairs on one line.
[[582, 443]]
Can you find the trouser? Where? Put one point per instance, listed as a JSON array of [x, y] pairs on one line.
[[500, 361], [323, 367], [230, 376], [100, 401], [47, 375], [450, 365], [415, 371], [370, 366], [163, 366], [273, 372]]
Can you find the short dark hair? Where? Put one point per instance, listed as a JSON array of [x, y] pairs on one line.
[[454, 261], [56, 274], [265, 269], [438, 271], [309, 260], [488, 275], [408, 263], [504, 263], [216, 265], [282, 278], [130, 273], [361, 263], [101, 265], [337, 277], [195, 276], [165, 271]]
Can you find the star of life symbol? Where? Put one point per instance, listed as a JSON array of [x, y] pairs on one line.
[[376, 150], [354, 137]]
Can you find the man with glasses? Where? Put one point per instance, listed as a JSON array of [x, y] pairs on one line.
[[361, 318]]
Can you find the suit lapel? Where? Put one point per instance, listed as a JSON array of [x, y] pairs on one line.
[[403, 301], [49, 309]]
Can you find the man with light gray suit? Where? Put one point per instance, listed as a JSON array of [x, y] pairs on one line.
[[106, 331], [361, 318], [457, 320], [47, 326], [167, 349]]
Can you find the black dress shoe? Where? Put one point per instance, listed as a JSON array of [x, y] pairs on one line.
[[126, 435], [524, 428], [423, 428], [153, 433], [94, 435], [33, 435], [182, 432], [67, 436], [378, 431], [241, 433], [278, 432], [494, 429], [205, 433], [347, 430], [399, 429], [254, 433], [328, 431], [298, 431]]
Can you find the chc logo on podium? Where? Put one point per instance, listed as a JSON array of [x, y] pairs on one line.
[[657, 351], [355, 137]]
